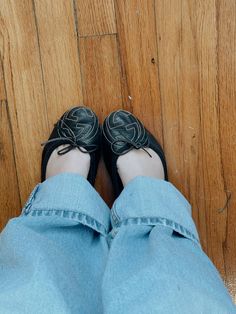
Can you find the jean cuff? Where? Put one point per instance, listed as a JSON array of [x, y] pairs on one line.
[[150, 201], [70, 196]]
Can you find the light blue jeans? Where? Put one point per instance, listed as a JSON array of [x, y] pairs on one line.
[[68, 253]]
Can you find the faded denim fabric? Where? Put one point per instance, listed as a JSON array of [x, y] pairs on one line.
[[68, 253]]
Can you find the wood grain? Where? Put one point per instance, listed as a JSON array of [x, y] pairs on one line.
[[96, 17], [101, 87], [179, 81], [9, 192], [227, 117], [138, 51], [59, 56], [24, 89]]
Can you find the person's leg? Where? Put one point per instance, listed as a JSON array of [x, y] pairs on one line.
[[155, 263], [53, 256]]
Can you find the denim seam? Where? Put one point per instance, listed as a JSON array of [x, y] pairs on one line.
[[70, 214], [29, 202], [114, 215], [160, 221]]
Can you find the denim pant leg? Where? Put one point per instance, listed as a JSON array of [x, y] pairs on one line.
[[155, 263], [53, 256]]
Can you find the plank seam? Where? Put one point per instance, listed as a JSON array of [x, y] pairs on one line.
[[95, 35], [158, 77], [11, 133], [40, 59], [76, 26], [228, 197], [123, 74]]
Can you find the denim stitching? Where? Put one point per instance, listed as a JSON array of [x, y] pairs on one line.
[[114, 217], [114, 214], [28, 204], [83, 218], [160, 221]]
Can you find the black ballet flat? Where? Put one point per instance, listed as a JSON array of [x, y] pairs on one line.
[[79, 128], [121, 132]]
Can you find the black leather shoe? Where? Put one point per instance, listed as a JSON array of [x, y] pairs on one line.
[[79, 128], [122, 131]]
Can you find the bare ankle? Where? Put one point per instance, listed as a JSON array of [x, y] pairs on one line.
[[74, 161], [139, 163]]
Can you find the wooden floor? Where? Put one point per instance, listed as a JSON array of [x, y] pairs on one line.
[[170, 62]]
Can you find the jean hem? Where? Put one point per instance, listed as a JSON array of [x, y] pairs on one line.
[[69, 196], [82, 218], [149, 201], [152, 221]]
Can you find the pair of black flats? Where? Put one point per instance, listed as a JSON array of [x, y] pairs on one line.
[[121, 131]]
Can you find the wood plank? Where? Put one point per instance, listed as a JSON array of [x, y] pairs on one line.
[[24, 89], [227, 115], [180, 100], [188, 78], [101, 88], [96, 17], [9, 194], [59, 55], [138, 51]]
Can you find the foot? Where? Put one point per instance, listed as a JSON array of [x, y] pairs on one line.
[[74, 145], [139, 163], [73, 162], [130, 150]]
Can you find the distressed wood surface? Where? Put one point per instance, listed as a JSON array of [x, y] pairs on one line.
[[171, 62]]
